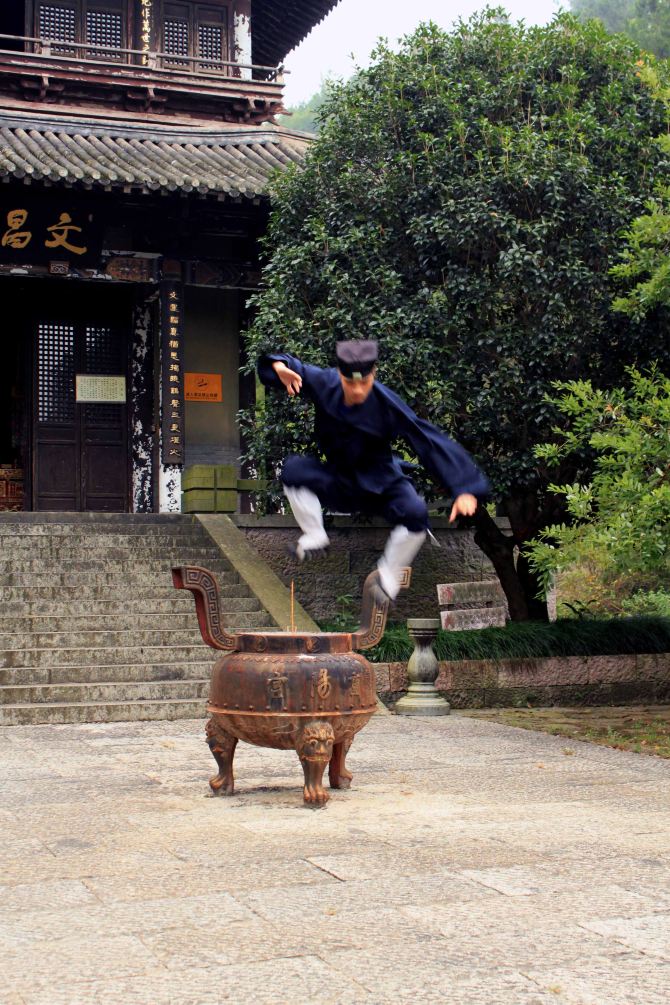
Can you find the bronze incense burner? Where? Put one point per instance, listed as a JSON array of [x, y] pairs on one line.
[[295, 691]]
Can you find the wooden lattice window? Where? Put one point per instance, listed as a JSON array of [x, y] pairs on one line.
[[176, 39], [57, 22], [55, 373], [211, 41], [105, 27], [197, 30], [100, 22]]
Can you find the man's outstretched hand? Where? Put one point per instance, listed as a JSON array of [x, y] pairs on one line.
[[291, 380], [464, 505]]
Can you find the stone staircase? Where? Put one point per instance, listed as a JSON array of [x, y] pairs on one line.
[[91, 628]]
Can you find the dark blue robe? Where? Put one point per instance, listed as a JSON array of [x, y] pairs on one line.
[[357, 440]]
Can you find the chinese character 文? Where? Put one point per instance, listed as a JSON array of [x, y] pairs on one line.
[[14, 237], [61, 234]]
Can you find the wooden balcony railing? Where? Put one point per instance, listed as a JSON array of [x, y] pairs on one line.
[[43, 55]]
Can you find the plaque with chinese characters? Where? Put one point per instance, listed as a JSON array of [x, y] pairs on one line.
[[99, 389], [37, 230], [172, 369]]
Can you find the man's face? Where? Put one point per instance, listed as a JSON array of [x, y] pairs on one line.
[[356, 390]]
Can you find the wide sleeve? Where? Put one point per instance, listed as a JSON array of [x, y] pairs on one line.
[[447, 461], [269, 378]]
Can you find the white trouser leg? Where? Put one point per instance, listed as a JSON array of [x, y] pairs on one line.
[[400, 551], [309, 517]]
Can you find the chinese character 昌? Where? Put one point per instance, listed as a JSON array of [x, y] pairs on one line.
[[14, 237]]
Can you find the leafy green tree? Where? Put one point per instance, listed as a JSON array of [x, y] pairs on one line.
[[620, 520], [644, 270], [462, 204]]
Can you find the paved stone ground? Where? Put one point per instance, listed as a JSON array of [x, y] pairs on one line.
[[471, 863]]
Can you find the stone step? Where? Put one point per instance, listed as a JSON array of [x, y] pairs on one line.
[[78, 602], [109, 582], [87, 674], [112, 711], [92, 520], [133, 565], [91, 627], [39, 547], [121, 691], [52, 530], [97, 638], [17, 641], [107, 655], [121, 621], [86, 549], [104, 656]]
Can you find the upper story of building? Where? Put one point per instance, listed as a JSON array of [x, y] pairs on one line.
[[220, 60]]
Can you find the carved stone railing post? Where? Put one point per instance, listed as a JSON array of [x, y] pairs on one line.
[[422, 696]]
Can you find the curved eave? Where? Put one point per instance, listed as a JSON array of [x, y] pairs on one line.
[[236, 163], [277, 28]]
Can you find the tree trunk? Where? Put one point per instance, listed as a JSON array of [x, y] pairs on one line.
[[537, 608], [499, 549], [526, 520], [519, 583]]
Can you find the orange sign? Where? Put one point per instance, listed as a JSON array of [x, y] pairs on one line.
[[203, 387]]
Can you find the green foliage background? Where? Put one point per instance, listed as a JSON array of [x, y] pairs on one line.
[[305, 115], [463, 203], [620, 522], [647, 22]]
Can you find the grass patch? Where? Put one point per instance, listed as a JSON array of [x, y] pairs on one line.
[[534, 639], [642, 729]]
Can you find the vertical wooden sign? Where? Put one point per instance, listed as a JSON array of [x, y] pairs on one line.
[[172, 374]]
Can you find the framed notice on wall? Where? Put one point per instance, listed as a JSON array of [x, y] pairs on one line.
[[203, 387], [100, 389]]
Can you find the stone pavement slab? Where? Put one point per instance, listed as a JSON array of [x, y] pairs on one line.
[[469, 863]]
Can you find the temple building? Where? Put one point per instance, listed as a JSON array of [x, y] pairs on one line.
[[138, 139]]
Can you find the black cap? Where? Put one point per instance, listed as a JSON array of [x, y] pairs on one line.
[[356, 359]]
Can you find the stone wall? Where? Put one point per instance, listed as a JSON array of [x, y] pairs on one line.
[[354, 551], [573, 680]]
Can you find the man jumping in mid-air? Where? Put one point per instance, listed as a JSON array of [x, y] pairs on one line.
[[357, 421]]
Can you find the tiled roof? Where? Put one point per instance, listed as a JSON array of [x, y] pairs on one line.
[[234, 161], [279, 25]]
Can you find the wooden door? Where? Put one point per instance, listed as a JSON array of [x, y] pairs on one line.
[[80, 449]]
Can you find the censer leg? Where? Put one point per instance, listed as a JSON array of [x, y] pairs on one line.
[[222, 746], [339, 776], [315, 748]]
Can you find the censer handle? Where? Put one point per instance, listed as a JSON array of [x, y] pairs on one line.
[[375, 610], [202, 585]]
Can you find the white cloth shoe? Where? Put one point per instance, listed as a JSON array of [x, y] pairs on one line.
[[309, 517], [400, 551]]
